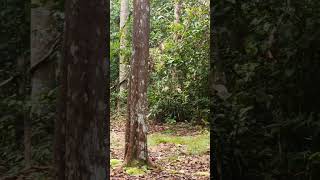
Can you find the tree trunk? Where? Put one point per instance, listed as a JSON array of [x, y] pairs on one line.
[[177, 83], [136, 129], [21, 68], [123, 66], [83, 91], [60, 123], [123, 59], [43, 35]]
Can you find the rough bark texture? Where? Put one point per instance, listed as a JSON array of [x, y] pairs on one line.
[[43, 34], [83, 92], [136, 130], [123, 66]]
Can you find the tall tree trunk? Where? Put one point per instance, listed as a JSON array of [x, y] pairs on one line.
[[123, 67], [177, 82], [123, 64], [83, 91], [136, 129], [43, 38], [60, 123]]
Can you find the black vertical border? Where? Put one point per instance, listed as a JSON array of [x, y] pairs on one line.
[[107, 96]]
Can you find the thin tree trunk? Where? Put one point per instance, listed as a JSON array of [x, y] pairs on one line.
[[123, 59], [43, 35], [85, 56], [123, 67], [21, 68], [136, 129], [177, 83], [27, 142], [60, 123]]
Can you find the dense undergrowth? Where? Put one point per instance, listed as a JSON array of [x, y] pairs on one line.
[[268, 125], [178, 86]]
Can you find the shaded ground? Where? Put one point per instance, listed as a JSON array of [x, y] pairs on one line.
[[181, 151]]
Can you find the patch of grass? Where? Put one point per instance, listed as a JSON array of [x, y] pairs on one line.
[[169, 131], [115, 162], [135, 171], [195, 144]]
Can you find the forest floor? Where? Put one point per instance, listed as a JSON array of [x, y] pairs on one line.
[[179, 151]]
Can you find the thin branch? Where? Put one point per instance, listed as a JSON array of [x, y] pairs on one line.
[[7, 81], [46, 58]]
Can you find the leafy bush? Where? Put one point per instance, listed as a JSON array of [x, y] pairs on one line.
[[178, 83]]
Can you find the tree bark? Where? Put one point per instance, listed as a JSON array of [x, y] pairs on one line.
[[123, 59], [136, 129], [123, 66], [83, 91], [43, 34], [177, 82]]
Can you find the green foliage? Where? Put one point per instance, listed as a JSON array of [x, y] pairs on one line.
[[12, 116], [14, 97], [269, 126], [14, 27], [178, 87], [116, 97], [178, 78]]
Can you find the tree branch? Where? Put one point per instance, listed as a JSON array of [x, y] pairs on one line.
[[7, 81], [46, 58]]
